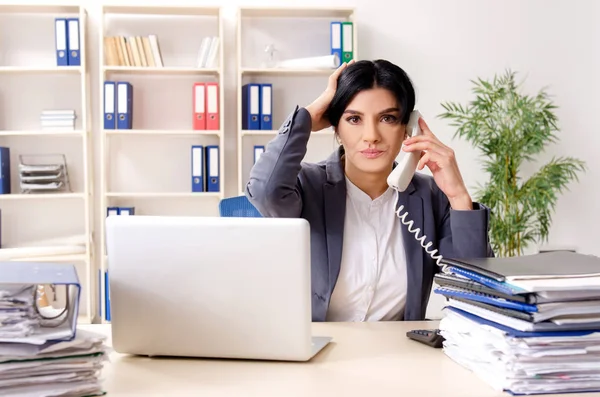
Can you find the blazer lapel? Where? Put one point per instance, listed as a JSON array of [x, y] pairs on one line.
[[413, 208], [335, 212]]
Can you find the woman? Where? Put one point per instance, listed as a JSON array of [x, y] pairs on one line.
[[366, 266]]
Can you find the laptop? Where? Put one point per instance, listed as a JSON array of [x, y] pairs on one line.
[[212, 287]]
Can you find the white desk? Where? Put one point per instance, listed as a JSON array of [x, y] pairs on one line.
[[365, 359]]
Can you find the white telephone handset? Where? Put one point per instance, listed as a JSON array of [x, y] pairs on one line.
[[400, 178]]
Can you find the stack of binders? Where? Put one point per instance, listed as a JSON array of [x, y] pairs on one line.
[[257, 106], [123, 211], [66, 38], [58, 119], [118, 105], [205, 97], [205, 168], [41, 350], [342, 40], [525, 325]]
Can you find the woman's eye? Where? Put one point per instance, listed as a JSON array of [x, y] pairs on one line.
[[353, 119], [389, 119]]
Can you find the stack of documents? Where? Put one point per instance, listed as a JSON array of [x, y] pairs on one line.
[[42, 353], [58, 119], [526, 325]]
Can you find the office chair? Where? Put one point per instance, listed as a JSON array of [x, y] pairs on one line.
[[238, 207]]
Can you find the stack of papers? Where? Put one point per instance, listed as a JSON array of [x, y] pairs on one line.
[[42, 353], [16, 312], [58, 119], [67, 368], [526, 325]]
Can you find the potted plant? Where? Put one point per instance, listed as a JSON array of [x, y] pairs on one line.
[[510, 128]]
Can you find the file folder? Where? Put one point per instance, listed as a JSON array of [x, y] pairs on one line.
[[212, 106], [484, 298], [347, 41], [124, 105], [5, 170], [27, 274], [212, 168], [126, 211], [250, 106], [197, 168], [110, 111], [73, 44], [112, 211], [60, 41], [266, 111], [534, 266], [199, 122], [335, 39], [106, 297], [258, 150]]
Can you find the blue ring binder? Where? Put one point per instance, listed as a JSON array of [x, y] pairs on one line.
[[30, 275]]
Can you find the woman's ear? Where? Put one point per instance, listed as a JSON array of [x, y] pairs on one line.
[[337, 137]]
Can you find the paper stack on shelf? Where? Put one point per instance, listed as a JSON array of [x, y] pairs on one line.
[[208, 53], [43, 173], [42, 353], [525, 325], [324, 61], [58, 119]]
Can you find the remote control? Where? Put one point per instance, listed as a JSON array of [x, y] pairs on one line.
[[430, 337]]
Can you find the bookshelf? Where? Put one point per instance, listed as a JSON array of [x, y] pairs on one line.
[[140, 166], [48, 225], [262, 31]]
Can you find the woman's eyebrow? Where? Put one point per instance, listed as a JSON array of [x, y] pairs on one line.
[[389, 110]]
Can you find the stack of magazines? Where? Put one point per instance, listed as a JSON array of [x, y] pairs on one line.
[[525, 325], [42, 353]]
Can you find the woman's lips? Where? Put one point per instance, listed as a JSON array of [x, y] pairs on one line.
[[372, 153]]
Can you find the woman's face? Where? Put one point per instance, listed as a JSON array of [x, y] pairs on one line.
[[371, 131]]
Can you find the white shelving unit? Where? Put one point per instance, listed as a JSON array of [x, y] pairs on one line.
[[134, 172], [46, 227], [295, 32]]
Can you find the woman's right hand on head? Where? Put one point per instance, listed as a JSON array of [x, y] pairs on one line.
[[319, 106]]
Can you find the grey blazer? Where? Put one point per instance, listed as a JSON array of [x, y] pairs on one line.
[[282, 185]]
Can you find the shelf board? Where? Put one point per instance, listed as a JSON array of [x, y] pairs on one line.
[[41, 132], [173, 10], [295, 12], [41, 69], [164, 132], [38, 9], [52, 258], [164, 194], [288, 71], [327, 131], [160, 70], [41, 196]]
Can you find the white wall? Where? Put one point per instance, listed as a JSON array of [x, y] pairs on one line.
[[444, 44]]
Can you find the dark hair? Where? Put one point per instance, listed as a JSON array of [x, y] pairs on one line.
[[364, 75]]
